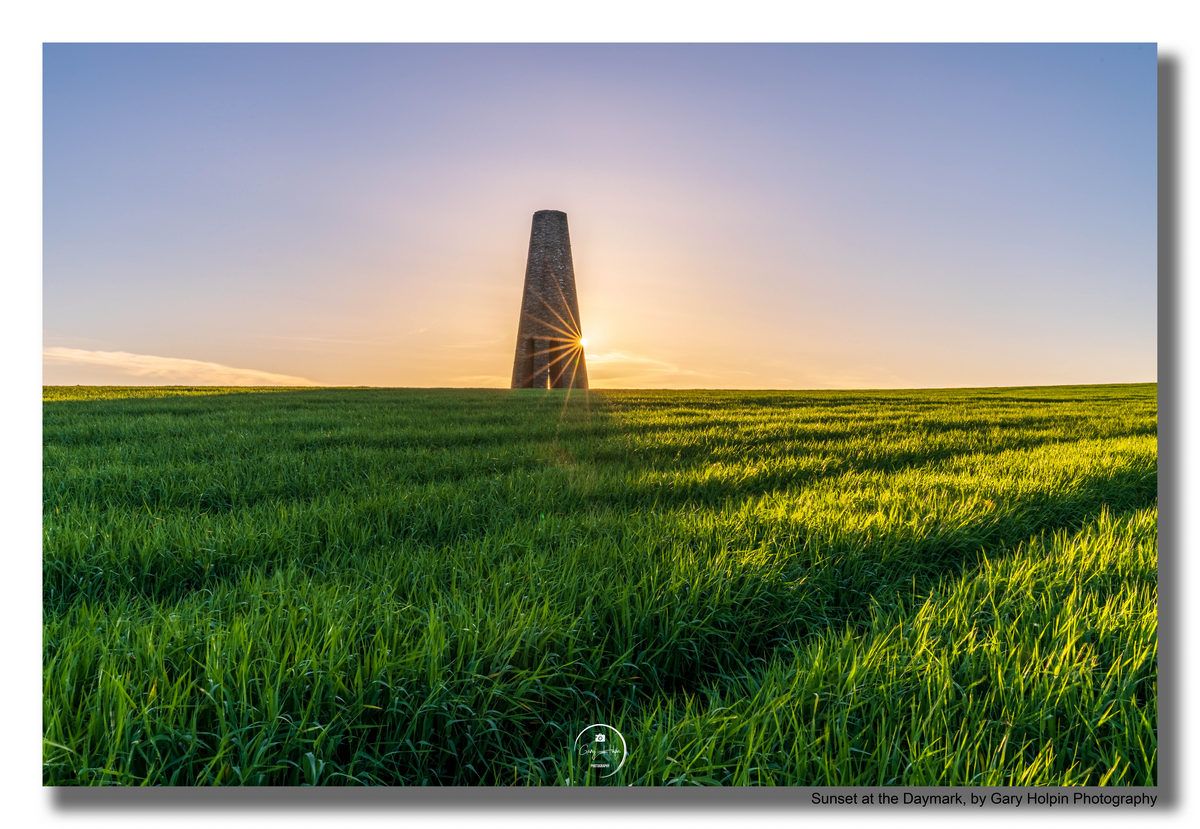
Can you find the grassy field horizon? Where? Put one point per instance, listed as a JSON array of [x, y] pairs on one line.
[[333, 586], [85, 391]]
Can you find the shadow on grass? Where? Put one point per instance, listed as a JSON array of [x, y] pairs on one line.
[[703, 628], [671, 606]]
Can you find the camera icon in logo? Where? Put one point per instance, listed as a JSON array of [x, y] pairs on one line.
[[601, 749]]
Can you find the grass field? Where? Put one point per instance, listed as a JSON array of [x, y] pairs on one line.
[[374, 586]]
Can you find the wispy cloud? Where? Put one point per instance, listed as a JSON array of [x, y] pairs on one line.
[[170, 370], [611, 367]]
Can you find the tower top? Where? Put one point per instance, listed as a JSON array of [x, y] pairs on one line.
[[549, 339]]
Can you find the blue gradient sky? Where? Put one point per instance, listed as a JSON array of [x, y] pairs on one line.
[[741, 216]]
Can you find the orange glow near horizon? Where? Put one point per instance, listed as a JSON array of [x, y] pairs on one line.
[[742, 216]]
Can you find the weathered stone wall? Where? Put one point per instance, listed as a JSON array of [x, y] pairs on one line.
[[549, 353]]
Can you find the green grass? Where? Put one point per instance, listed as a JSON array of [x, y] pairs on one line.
[[343, 586]]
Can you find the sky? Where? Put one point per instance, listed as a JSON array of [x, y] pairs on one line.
[[741, 216]]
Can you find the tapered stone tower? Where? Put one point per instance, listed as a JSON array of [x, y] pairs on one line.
[[549, 338]]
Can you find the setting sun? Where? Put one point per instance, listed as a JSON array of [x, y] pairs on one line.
[[860, 487]]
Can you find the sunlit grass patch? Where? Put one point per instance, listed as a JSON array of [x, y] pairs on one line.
[[327, 586]]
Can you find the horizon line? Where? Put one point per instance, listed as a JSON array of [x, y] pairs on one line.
[[613, 388]]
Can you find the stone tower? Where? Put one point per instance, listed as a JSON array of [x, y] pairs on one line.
[[549, 347]]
